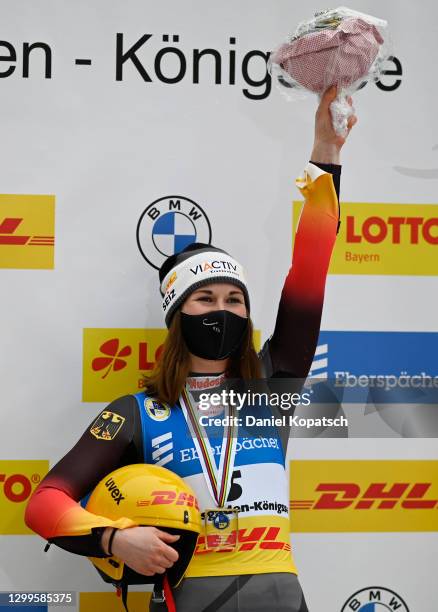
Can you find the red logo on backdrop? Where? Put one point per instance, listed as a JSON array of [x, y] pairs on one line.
[[376, 229], [379, 495], [113, 357], [113, 361], [8, 236], [17, 487]]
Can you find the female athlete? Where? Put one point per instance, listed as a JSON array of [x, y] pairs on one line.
[[206, 306]]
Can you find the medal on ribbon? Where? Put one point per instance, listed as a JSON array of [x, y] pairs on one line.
[[220, 523]]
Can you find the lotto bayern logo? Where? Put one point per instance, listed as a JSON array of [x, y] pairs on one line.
[[382, 238], [168, 225], [374, 599]]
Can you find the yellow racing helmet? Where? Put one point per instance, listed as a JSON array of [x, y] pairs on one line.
[[149, 495]]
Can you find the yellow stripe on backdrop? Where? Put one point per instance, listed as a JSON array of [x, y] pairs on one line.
[[110, 602]]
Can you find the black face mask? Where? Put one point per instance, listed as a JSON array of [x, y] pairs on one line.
[[213, 335]]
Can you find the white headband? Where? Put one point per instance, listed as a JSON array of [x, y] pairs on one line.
[[196, 271]]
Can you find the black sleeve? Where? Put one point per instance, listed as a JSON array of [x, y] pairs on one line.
[[104, 446], [95, 455]]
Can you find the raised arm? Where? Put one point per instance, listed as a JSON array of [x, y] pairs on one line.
[[290, 350]]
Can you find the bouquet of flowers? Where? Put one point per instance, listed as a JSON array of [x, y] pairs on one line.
[[338, 47]]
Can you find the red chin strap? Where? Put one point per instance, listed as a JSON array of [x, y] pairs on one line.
[[170, 602]]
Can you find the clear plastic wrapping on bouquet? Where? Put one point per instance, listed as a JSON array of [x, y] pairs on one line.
[[339, 47]]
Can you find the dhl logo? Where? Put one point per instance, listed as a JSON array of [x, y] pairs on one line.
[[115, 360], [262, 538], [8, 236], [397, 239], [27, 224], [170, 497], [364, 496], [18, 480], [383, 496]]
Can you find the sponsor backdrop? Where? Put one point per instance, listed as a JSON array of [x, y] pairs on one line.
[[131, 129]]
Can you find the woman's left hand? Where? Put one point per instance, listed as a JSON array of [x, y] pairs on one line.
[[328, 144]]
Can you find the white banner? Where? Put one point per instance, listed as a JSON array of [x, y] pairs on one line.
[[111, 111]]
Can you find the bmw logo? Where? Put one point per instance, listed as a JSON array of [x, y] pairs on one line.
[[168, 225], [375, 599]]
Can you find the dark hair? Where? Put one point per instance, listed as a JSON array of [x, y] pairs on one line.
[[173, 365]]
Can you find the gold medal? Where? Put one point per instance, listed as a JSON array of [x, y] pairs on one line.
[[221, 528]]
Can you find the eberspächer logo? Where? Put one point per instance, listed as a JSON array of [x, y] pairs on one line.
[[168, 225], [393, 374], [379, 363], [374, 599]]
